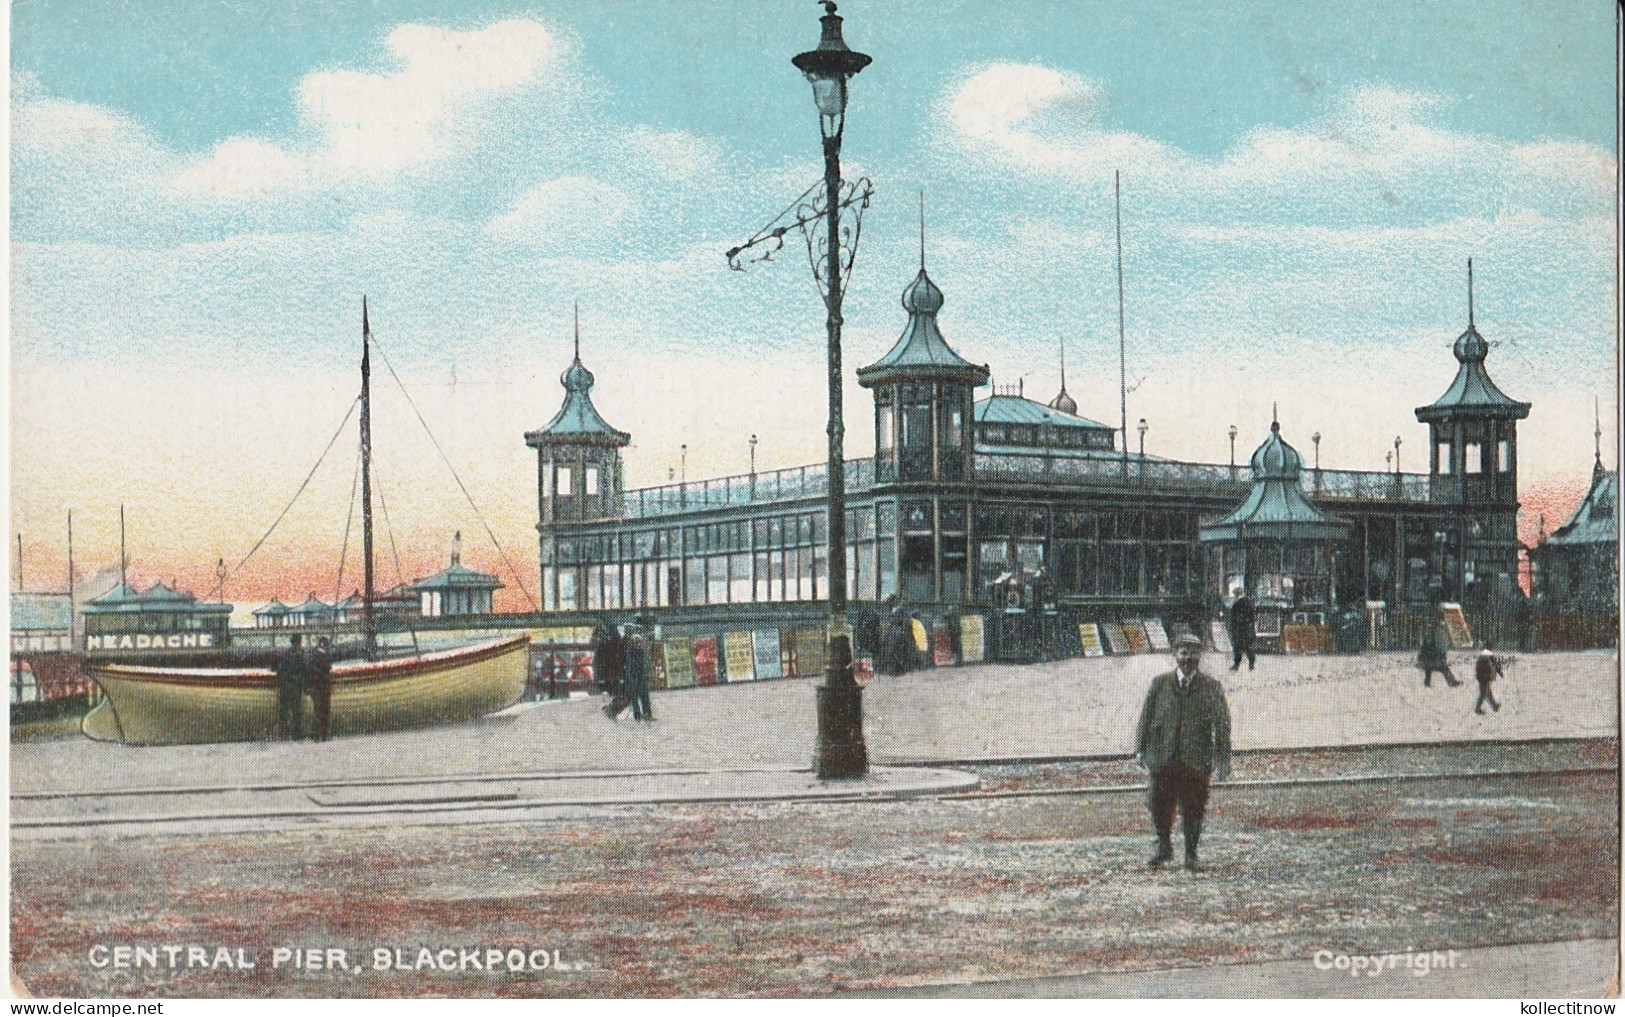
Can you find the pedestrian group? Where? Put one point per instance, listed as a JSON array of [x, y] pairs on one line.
[[299, 674]]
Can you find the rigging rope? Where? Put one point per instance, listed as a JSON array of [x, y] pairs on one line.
[[302, 486], [447, 460], [400, 577], [344, 550]]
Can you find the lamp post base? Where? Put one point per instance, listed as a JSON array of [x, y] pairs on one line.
[[841, 753]]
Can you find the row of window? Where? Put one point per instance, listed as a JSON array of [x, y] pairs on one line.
[[1472, 455], [1035, 436]]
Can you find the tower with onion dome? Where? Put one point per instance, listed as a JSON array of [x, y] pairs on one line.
[[578, 479], [1473, 474]]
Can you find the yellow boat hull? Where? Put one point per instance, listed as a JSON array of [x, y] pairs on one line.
[[182, 706]]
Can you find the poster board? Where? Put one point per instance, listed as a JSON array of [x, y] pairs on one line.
[[768, 663], [679, 662], [657, 665], [1221, 636], [1134, 636], [942, 646], [1156, 634], [1116, 642], [1306, 638], [1089, 637], [740, 658], [808, 649], [706, 669], [1455, 623], [972, 639]]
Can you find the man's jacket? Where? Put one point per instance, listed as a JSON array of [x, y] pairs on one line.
[[1190, 727]]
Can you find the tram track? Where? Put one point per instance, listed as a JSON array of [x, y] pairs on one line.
[[509, 806]]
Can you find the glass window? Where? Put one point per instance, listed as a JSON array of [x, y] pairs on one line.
[[1504, 455], [1444, 457], [716, 585], [887, 518], [591, 478], [694, 581], [739, 589], [917, 426], [562, 484], [887, 569], [1474, 454], [885, 425]]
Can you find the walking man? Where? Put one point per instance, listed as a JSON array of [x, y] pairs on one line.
[[320, 684], [1242, 621], [1184, 736], [1431, 656], [1486, 671], [635, 674], [292, 671]]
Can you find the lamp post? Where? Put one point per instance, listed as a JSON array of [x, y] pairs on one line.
[[753, 466], [1143, 427], [1397, 441], [841, 752], [1232, 446], [1316, 439]]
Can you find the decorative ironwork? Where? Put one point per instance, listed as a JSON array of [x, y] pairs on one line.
[[809, 215]]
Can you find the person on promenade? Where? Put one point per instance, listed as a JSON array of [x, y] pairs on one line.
[[1183, 741], [1431, 655], [1486, 670], [896, 638], [608, 653], [635, 674], [1242, 624], [292, 671], [320, 684]]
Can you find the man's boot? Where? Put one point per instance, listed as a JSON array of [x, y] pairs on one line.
[[1165, 849], [1191, 837]]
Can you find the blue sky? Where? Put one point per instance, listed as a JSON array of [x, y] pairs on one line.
[[202, 192]]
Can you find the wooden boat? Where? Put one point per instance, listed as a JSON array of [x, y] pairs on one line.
[[172, 706], [186, 705]]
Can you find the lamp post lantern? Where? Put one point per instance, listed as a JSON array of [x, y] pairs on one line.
[[1316, 439], [1232, 446], [753, 459], [1143, 427], [1397, 441], [841, 752]]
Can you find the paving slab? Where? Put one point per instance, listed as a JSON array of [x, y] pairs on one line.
[[1070, 708]]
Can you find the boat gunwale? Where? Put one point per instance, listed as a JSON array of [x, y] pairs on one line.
[[350, 673]]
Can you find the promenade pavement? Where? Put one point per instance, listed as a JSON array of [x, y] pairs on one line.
[[1077, 707]]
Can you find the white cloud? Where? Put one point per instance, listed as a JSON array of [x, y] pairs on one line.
[[679, 155], [562, 211], [1371, 149], [371, 126]]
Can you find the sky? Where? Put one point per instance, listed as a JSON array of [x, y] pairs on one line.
[[201, 194]]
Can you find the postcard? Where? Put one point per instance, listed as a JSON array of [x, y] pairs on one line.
[[542, 500]]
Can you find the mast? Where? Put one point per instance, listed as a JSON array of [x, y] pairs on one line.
[[369, 631], [1122, 341], [123, 560], [73, 615]]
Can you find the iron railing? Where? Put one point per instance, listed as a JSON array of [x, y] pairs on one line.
[[744, 489]]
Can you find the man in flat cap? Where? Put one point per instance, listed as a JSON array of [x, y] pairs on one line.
[[1184, 736]]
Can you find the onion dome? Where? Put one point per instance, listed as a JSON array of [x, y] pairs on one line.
[[577, 420], [1275, 507], [1062, 402], [1275, 459], [1472, 395], [920, 352]]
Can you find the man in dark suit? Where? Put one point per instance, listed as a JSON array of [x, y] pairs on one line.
[[1184, 737], [292, 672], [319, 682], [1242, 621]]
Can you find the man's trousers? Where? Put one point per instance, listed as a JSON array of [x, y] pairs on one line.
[[1182, 787]]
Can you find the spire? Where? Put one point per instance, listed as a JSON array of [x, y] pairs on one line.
[[922, 229], [1596, 409], [1469, 293], [1063, 402], [578, 331], [1275, 416], [366, 329]]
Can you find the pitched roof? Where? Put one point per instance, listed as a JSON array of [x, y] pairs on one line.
[[1596, 520], [1009, 409], [1276, 507], [577, 419], [921, 352], [458, 577], [1472, 393]]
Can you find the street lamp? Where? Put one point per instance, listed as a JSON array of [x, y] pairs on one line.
[[1316, 439], [1232, 446], [753, 466], [1397, 441], [1142, 429], [682, 460], [841, 752]]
